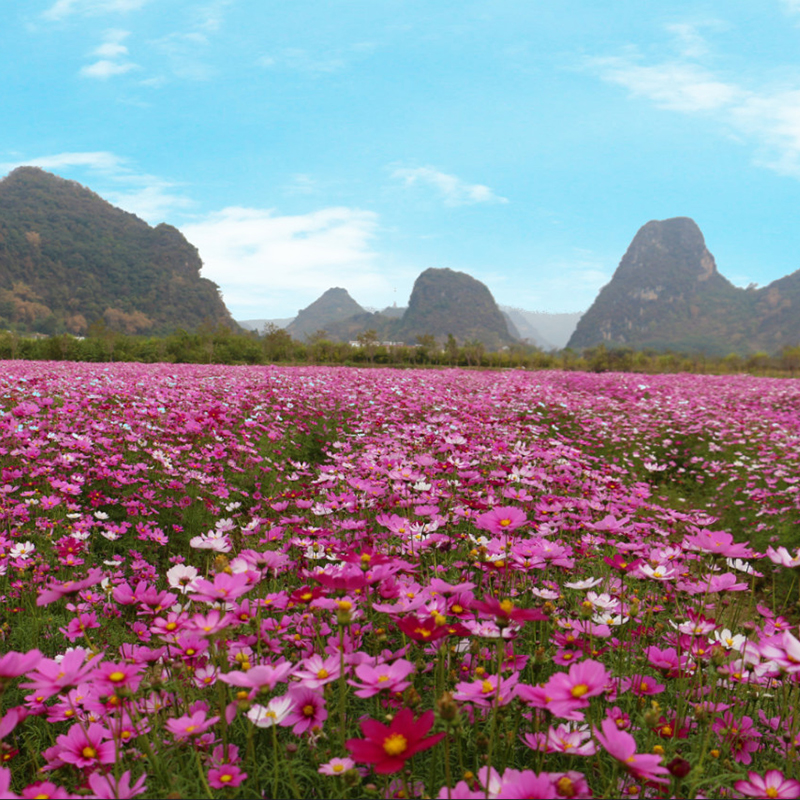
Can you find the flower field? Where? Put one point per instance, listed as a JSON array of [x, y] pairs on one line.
[[327, 582]]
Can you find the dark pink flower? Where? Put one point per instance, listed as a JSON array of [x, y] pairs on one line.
[[388, 747]]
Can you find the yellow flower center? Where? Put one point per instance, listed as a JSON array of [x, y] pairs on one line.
[[344, 605], [308, 710], [338, 767], [507, 606], [89, 752], [190, 728], [457, 609], [383, 679], [322, 674], [225, 778], [395, 744], [504, 523], [486, 687], [579, 690], [170, 626], [771, 791]]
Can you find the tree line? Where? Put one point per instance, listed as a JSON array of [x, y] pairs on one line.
[[220, 345]]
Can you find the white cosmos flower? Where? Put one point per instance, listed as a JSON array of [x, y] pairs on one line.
[[728, 640], [274, 713], [587, 583]]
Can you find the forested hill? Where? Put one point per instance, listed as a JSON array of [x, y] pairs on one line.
[[69, 259]]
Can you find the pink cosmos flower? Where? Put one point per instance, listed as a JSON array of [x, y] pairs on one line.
[[739, 734], [566, 738], [190, 725], [484, 693], [773, 785], [51, 676], [13, 664], [501, 520], [109, 677], [337, 766], [45, 789], [225, 775], [317, 671], [784, 558], [257, 678], [55, 591], [622, 746], [382, 677], [106, 787], [569, 691], [527, 784], [308, 710], [87, 748], [5, 784], [224, 588]]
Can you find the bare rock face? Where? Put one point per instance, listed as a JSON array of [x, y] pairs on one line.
[[666, 293]]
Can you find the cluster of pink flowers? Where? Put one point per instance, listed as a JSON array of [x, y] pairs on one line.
[[404, 552]]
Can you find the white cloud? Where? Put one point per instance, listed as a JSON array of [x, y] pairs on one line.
[[766, 116], [101, 161], [454, 191], [148, 196], [62, 9], [271, 265], [104, 69], [183, 51], [674, 85], [110, 52]]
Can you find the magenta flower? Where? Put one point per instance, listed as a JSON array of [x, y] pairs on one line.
[[308, 710], [13, 664], [773, 785], [225, 775], [261, 677], [225, 587], [739, 734], [109, 677], [505, 611], [622, 746], [501, 520], [51, 676], [570, 691], [86, 748], [106, 787], [55, 591], [188, 726], [382, 677], [484, 693], [527, 784]]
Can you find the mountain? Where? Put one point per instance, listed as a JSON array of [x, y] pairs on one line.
[[545, 330], [69, 259], [258, 325], [445, 302], [667, 294], [335, 305]]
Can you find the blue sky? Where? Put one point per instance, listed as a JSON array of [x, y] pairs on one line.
[[302, 145]]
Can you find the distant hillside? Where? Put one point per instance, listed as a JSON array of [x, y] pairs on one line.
[[69, 259], [667, 293], [259, 324], [548, 331], [445, 302], [334, 305]]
